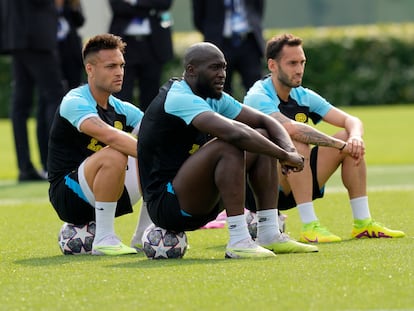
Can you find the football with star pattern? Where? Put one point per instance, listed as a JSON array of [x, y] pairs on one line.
[[76, 239], [158, 243]]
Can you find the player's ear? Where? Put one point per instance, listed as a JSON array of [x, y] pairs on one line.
[[190, 71], [271, 64], [88, 68]]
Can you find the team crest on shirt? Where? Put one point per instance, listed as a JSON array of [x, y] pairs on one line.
[[301, 117], [118, 125]]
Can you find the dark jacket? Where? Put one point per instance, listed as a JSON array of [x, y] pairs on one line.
[[208, 18], [28, 24], [71, 46], [123, 13]]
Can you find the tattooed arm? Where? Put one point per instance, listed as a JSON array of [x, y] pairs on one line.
[[304, 133]]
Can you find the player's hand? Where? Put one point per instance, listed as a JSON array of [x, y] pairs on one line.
[[293, 163], [355, 147]]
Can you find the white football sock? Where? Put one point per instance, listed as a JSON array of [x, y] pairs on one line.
[[267, 226], [360, 208], [237, 227], [307, 212], [144, 221], [105, 217]]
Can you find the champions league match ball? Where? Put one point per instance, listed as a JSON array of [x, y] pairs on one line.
[[159, 243], [76, 239]]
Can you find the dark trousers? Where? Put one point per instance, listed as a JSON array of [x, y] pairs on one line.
[[34, 71], [142, 69], [244, 58], [70, 54]]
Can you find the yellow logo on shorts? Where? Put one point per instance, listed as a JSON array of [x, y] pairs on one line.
[[301, 117], [194, 149]]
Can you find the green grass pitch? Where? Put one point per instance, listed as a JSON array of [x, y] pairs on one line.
[[351, 275]]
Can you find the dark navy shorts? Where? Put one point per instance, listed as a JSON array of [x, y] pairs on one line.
[[72, 206], [165, 212], [287, 201]]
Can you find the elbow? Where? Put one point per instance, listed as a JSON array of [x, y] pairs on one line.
[[354, 123], [236, 137], [111, 138]]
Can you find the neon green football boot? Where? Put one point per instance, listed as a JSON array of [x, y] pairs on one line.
[[313, 232], [112, 246], [368, 228], [247, 248], [283, 244]]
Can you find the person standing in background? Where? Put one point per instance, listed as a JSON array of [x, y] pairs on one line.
[[69, 41], [29, 29], [145, 26], [235, 26]]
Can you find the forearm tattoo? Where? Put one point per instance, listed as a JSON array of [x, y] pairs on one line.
[[309, 135]]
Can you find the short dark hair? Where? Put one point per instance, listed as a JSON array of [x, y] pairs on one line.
[[275, 45], [105, 41]]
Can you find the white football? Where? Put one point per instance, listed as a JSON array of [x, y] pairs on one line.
[[76, 239], [159, 243]]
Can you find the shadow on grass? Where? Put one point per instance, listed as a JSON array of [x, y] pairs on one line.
[[138, 260], [58, 260]]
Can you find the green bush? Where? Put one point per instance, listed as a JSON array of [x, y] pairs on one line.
[[352, 65], [361, 65], [349, 66]]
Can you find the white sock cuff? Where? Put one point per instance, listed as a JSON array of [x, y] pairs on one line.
[[238, 219], [105, 206], [359, 200], [237, 227], [360, 207], [307, 212], [268, 213], [105, 216]]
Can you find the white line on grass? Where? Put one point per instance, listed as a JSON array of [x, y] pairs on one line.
[[337, 189], [406, 170], [329, 189], [19, 201]]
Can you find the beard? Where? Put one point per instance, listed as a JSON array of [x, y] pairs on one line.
[[286, 81], [206, 90]]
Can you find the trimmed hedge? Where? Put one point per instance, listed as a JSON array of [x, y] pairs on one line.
[[353, 65], [366, 65]]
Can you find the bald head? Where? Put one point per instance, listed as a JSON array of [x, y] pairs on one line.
[[200, 53], [205, 69]]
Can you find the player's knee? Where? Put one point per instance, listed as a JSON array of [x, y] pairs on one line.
[[343, 135], [115, 160], [229, 151]]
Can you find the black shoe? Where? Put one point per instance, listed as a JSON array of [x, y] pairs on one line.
[[30, 176]]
